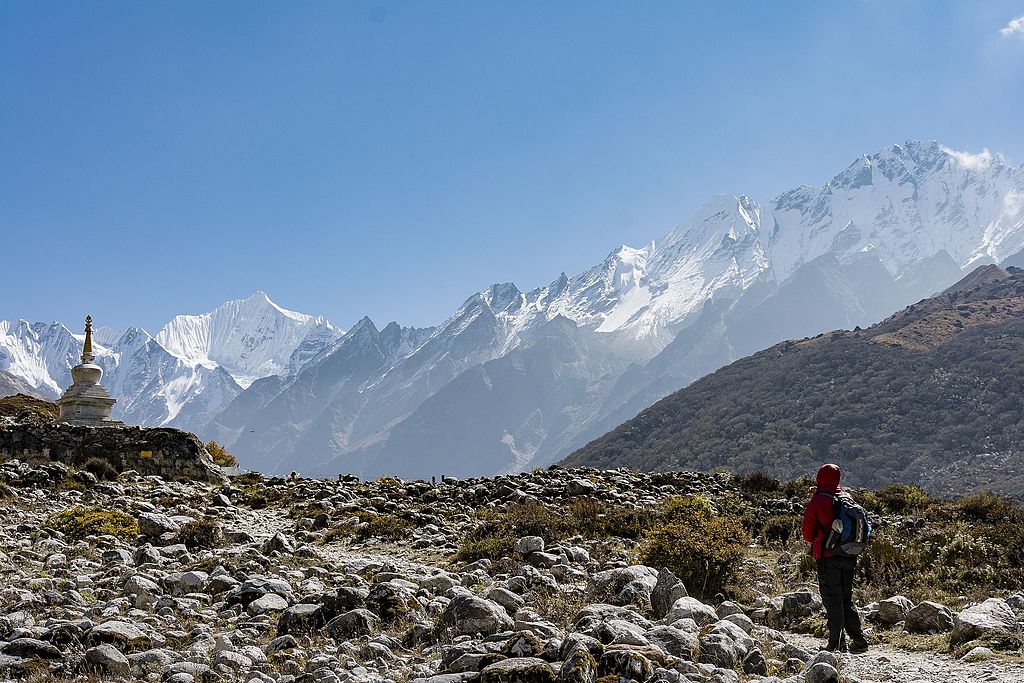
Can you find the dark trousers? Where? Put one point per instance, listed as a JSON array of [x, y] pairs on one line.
[[835, 581]]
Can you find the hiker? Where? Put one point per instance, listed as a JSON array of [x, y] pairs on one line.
[[835, 568]]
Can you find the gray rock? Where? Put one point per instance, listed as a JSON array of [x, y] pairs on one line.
[[271, 602], [155, 525], [692, 608], [469, 615], [667, 589], [529, 544], [122, 634], [108, 659], [929, 617], [29, 648], [674, 641], [990, 618], [894, 610], [821, 673], [353, 623], [518, 670]]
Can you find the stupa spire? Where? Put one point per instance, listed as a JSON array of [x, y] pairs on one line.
[[87, 354]]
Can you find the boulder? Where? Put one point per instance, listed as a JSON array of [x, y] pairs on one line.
[[108, 660], [529, 544], [518, 670], [391, 601], [469, 615], [124, 635], [667, 589], [929, 617], [821, 673], [271, 602], [692, 608], [301, 618], [357, 622], [894, 610], [987, 619], [579, 667]]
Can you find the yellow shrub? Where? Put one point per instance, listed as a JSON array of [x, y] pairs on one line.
[[77, 523], [220, 456]]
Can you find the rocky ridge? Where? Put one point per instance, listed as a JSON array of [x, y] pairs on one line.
[[286, 580]]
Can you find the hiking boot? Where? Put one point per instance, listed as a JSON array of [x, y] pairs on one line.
[[836, 647], [858, 645]]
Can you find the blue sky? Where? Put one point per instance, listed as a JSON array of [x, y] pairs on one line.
[[390, 159]]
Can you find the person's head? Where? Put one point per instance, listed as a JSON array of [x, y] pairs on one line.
[[828, 477]]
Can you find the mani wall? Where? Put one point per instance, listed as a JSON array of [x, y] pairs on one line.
[[169, 453]]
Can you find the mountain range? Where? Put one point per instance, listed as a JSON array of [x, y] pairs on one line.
[[515, 379], [928, 395]]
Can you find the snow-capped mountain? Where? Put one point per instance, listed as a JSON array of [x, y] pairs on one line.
[[738, 275], [514, 379], [185, 385], [249, 338], [904, 204]]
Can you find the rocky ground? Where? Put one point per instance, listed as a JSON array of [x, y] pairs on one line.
[[300, 580]]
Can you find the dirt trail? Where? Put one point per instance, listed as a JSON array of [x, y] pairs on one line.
[[891, 664]]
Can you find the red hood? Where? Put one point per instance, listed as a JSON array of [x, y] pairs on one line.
[[828, 478]]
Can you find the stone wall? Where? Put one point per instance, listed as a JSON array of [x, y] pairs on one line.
[[169, 453]]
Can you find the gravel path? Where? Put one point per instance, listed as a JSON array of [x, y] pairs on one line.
[[891, 664]]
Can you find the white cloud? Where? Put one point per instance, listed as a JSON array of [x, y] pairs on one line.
[[975, 162], [1014, 28]]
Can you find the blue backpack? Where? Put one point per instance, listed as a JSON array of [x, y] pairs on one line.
[[851, 528]]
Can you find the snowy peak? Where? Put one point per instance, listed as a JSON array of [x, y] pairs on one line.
[[249, 338]]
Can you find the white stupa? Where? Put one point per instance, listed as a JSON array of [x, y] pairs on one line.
[[85, 402]]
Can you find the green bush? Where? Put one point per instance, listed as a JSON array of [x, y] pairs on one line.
[[388, 527], [757, 481], [77, 523], [702, 549], [594, 519], [201, 534], [989, 508], [371, 525], [488, 547], [797, 488], [903, 498], [101, 468], [781, 528]]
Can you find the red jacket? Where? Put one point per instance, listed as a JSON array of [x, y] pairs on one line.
[[819, 512]]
